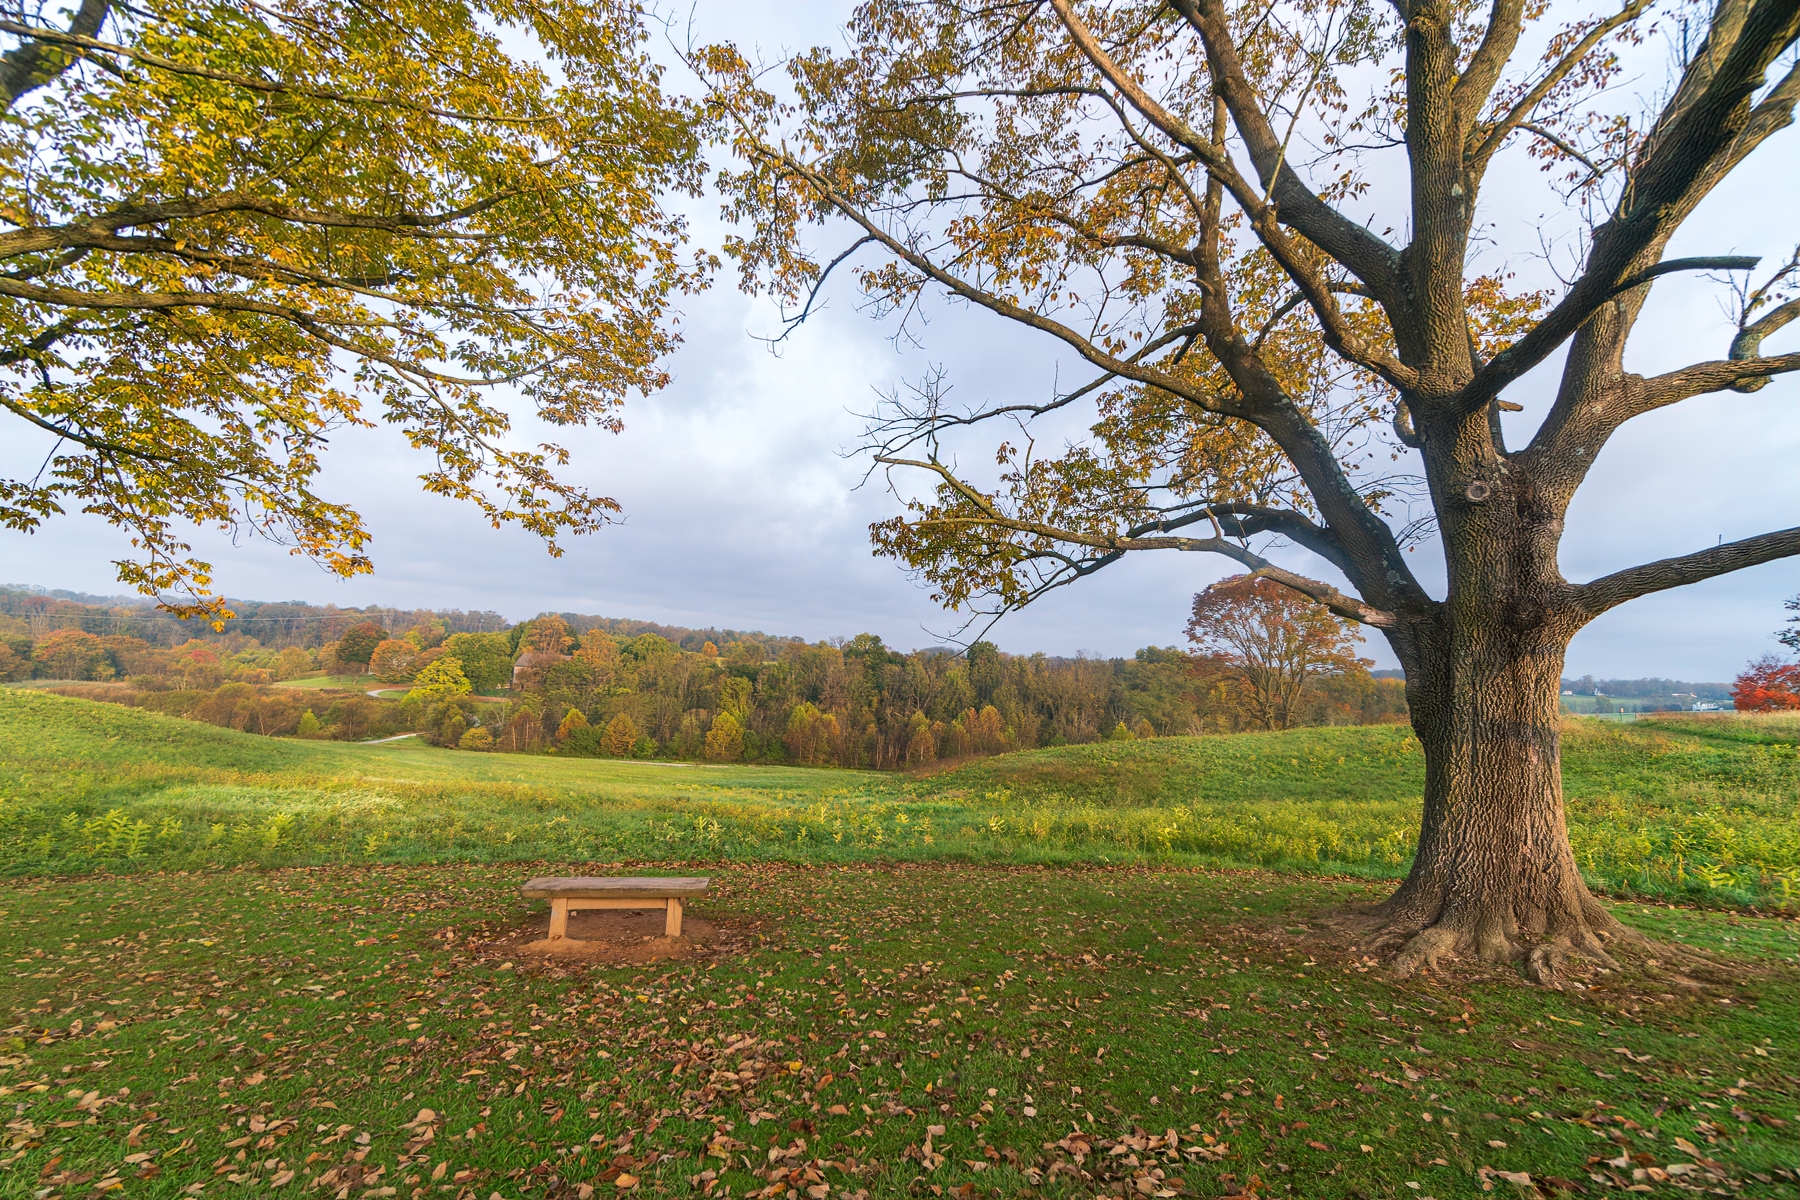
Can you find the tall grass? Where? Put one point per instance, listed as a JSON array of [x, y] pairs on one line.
[[1669, 807]]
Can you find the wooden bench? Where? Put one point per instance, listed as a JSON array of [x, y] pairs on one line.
[[569, 895]]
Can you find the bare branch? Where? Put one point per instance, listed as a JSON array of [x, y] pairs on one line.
[[1265, 217], [1112, 546], [1563, 144], [1610, 591], [1708, 127], [1494, 135]]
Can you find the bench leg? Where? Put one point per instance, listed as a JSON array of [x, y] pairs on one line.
[[559, 920], [672, 925]]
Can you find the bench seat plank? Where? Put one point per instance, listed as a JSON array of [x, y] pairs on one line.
[[591, 888]]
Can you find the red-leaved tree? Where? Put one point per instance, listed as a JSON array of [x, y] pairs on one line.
[[1767, 685]]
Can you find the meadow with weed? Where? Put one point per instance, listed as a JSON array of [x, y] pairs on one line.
[[1703, 809]]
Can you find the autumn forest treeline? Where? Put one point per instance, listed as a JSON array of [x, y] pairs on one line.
[[583, 685]]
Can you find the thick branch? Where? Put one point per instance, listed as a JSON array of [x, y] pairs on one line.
[[1247, 520], [32, 64], [1366, 256], [1743, 375], [1505, 22], [1749, 340], [39, 239], [1704, 130], [1592, 599]]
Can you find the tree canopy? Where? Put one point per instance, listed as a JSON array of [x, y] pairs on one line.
[[1260, 230], [229, 232]]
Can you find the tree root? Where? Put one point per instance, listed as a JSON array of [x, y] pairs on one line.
[[1593, 937]]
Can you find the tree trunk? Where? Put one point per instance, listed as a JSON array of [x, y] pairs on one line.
[[1495, 877]]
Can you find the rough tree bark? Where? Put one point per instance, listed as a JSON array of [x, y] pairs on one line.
[[1494, 876]]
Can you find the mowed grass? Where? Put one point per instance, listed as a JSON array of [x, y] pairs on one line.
[[1701, 809], [860, 1030]]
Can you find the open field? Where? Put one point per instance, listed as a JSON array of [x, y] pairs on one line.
[[1698, 808], [861, 1030]]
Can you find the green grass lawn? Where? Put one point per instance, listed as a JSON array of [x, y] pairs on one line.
[[238, 966], [1702, 809], [863, 1029]]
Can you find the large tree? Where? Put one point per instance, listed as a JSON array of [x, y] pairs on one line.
[[227, 228], [1258, 225]]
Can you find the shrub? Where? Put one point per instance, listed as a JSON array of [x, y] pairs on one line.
[[476, 739]]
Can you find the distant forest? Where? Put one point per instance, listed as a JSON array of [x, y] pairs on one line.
[[579, 684]]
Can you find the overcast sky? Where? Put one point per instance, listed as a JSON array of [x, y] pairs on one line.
[[744, 512]]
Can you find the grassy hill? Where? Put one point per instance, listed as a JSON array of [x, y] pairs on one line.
[[887, 1026], [1701, 807]]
